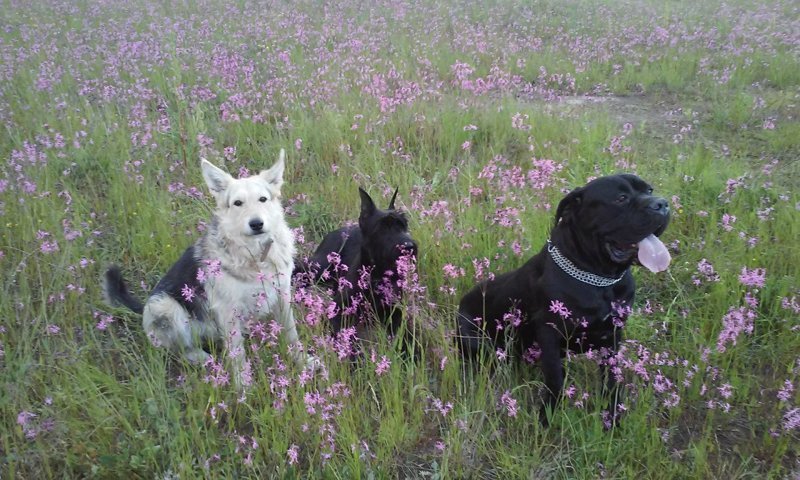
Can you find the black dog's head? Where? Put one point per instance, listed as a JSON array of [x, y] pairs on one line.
[[612, 217], [385, 234]]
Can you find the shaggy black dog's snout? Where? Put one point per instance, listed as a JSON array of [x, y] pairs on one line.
[[408, 247]]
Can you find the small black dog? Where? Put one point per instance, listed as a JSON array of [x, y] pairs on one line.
[[576, 293], [362, 264]]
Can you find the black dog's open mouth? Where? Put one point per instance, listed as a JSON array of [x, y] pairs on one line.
[[649, 252], [621, 252]]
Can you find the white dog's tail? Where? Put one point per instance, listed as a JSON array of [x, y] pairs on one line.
[[116, 292]]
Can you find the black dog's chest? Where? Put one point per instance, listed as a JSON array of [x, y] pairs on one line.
[[598, 327], [584, 334], [596, 316]]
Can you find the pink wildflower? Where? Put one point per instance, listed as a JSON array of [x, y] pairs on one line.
[[785, 393], [510, 403], [188, 293], [753, 278], [292, 454], [452, 271], [217, 376], [791, 419], [736, 321], [382, 366], [558, 307]]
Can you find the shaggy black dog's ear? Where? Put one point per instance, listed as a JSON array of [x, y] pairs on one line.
[[569, 204], [394, 196], [367, 205]]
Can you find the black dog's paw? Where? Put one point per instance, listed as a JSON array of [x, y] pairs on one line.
[[544, 415]]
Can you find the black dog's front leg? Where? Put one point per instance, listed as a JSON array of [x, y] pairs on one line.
[[336, 323], [344, 299], [396, 327], [395, 320], [610, 385], [552, 368], [612, 391], [342, 321]]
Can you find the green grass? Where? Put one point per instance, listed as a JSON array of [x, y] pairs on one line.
[[106, 404]]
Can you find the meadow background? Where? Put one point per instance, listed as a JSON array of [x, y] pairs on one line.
[[482, 113]]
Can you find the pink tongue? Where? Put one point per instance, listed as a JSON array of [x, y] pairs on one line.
[[653, 254]]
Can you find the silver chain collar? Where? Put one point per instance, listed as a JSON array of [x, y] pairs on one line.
[[577, 273]]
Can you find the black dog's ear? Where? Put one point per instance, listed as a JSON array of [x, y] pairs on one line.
[[569, 204], [394, 196], [367, 205]]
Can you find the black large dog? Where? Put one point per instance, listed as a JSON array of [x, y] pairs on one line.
[[576, 292], [362, 264]]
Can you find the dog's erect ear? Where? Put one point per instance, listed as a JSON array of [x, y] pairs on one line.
[[367, 205], [569, 204], [216, 178], [274, 175], [394, 196]]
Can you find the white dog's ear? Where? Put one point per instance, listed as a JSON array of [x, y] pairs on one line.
[[274, 175], [216, 178]]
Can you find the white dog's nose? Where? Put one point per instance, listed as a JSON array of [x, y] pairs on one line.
[[256, 225]]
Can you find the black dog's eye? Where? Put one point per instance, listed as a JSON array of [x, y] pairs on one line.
[[622, 198], [262, 199], [238, 203], [650, 191]]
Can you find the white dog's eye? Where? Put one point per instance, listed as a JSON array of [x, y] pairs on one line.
[[238, 203], [262, 199]]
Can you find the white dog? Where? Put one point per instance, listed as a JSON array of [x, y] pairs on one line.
[[239, 269]]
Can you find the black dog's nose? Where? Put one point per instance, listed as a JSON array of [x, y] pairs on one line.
[[660, 205], [256, 225], [409, 246]]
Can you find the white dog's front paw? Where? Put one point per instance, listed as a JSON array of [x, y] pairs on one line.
[[197, 356], [314, 363]]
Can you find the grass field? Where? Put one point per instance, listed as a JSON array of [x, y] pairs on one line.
[[483, 114]]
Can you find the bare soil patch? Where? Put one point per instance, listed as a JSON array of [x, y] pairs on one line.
[[656, 116]]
